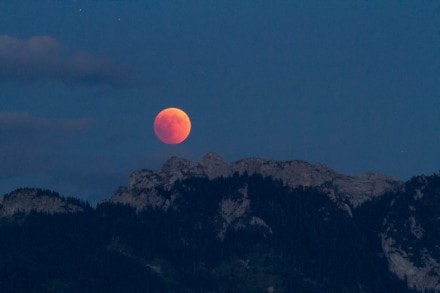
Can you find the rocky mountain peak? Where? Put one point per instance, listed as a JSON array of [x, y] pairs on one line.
[[176, 163], [214, 166], [212, 158], [348, 191], [25, 200]]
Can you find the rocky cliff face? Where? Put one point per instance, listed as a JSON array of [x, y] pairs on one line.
[[26, 200], [348, 191], [411, 233]]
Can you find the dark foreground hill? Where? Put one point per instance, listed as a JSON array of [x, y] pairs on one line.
[[235, 233]]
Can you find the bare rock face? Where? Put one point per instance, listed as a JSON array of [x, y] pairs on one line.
[[143, 198], [410, 234], [173, 169], [233, 212], [422, 276], [354, 190], [348, 191], [214, 166], [29, 199]]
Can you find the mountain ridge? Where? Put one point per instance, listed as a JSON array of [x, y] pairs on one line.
[[250, 225], [26, 200], [348, 191]]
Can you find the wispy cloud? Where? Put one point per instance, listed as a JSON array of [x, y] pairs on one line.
[[29, 143], [23, 121], [44, 58], [41, 152]]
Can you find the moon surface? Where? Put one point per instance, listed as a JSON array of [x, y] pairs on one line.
[[172, 125]]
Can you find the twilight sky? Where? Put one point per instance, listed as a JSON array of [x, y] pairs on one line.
[[351, 84]]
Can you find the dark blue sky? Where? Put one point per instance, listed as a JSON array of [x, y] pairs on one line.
[[351, 84]]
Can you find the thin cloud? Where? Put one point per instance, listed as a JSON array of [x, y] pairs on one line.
[[29, 143], [13, 122], [37, 151], [44, 58]]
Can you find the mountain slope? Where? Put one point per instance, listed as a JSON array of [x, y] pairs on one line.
[[241, 233], [249, 226]]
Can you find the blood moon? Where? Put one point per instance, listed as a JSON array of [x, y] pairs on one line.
[[172, 125]]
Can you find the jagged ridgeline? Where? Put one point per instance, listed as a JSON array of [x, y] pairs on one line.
[[216, 227]]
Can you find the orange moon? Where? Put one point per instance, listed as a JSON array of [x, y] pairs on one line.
[[172, 125]]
